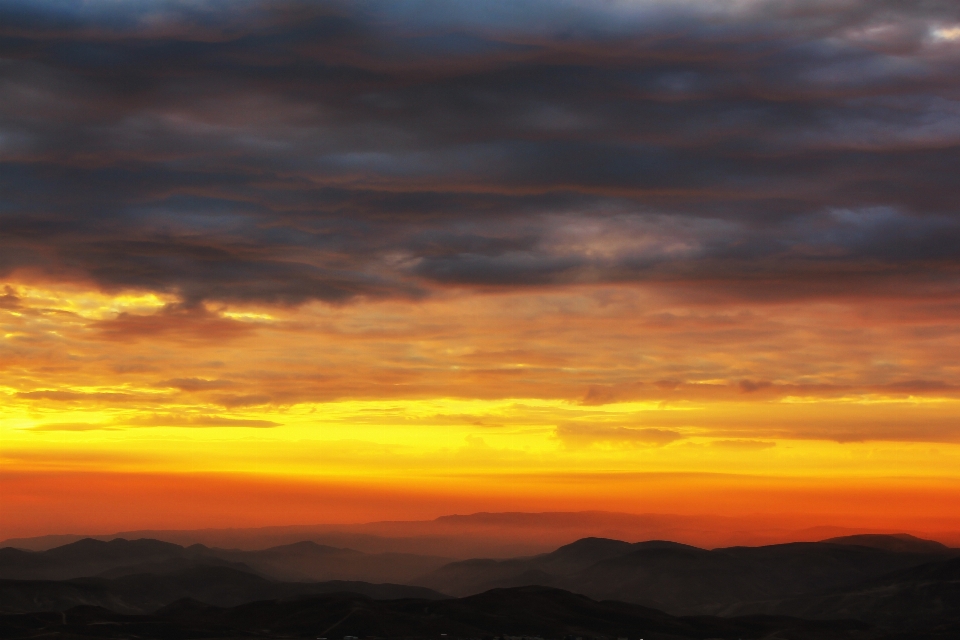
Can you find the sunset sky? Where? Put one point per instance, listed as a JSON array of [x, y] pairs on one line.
[[281, 262]]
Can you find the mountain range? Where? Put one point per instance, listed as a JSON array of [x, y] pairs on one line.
[[512, 534], [861, 586], [211, 584], [686, 580], [529, 613], [301, 561]]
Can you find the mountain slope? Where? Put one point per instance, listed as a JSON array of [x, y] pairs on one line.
[[898, 542], [303, 561], [86, 557], [530, 611], [682, 579], [144, 593], [311, 561], [927, 596]]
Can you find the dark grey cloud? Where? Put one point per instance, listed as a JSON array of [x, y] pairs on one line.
[[281, 152]]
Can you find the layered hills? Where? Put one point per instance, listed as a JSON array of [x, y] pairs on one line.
[[532, 612], [509, 534], [301, 561], [594, 586], [927, 596], [687, 580], [147, 592]]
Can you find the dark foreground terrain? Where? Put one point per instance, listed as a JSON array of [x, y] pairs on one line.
[[860, 587], [526, 611], [145, 593]]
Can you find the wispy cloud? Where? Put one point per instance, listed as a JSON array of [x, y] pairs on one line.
[[193, 421], [585, 435]]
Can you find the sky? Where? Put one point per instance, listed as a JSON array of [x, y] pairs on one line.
[[285, 262]]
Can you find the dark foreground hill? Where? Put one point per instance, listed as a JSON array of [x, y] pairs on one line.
[[528, 611], [686, 580], [924, 597], [144, 593]]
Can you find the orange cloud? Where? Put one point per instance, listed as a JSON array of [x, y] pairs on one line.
[[572, 387]]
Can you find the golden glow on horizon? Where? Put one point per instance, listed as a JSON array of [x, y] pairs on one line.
[[456, 390]]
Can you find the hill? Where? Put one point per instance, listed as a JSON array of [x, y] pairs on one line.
[[144, 593], [682, 579], [302, 561], [923, 597], [899, 542], [528, 611], [505, 535], [896, 582]]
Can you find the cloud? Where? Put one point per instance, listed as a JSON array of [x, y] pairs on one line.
[[760, 390], [946, 33], [278, 153], [195, 384], [174, 420], [749, 386], [73, 426], [181, 322], [9, 299], [247, 400], [111, 397], [171, 420], [751, 445], [578, 435]]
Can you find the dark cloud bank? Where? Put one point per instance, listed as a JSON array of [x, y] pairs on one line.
[[286, 151]]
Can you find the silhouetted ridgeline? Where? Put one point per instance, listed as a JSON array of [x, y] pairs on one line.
[[495, 535], [525, 611], [686, 580], [298, 562], [855, 587]]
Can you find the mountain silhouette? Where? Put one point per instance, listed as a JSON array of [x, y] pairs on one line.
[[592, 587], [87, 557], [527, 611], [496, 535], [900, 542], [302, 561], [212, 584], [923, 597], [682, 579]]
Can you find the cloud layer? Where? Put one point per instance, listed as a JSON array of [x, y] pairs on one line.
[[281, 152]]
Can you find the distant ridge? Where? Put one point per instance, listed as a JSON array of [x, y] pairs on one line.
[[299, 562], [899, 542], [687, 580], [510, 534]]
